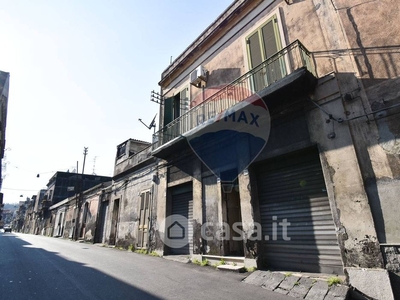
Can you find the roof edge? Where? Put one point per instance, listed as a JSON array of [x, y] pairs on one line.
[[205, 35]]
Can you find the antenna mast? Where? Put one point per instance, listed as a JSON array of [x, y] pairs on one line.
[[94, 164]]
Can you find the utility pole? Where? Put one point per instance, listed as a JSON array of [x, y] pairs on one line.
[[80, 196], [85, 151]]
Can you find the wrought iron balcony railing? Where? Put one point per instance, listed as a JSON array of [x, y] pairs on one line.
[[273, 69]]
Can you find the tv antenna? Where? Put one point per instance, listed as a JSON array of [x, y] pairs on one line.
[[94, 165], [152, 124]]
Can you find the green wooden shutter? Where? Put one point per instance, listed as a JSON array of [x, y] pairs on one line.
[[177, 106], [256, 58], [168, 110], [271, 46], [269, 39], [263, 44]]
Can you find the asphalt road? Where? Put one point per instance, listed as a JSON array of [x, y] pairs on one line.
[[37, 267]]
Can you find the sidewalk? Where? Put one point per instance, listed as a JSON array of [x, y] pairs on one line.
[[297, 285]]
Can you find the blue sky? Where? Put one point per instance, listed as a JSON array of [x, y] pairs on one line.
[[81, 76]]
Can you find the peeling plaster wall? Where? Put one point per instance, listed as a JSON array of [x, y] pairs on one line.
[[383, 184], [69, 221], [198, 246], [372, 31], [211, 215], [349, 201], [247, 207], [161, 208], [130, 188], [91, 218], [367, 62]]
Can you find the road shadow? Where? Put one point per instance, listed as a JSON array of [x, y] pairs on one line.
[[28, 272]]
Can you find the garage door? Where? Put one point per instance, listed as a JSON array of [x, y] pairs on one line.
[[293, 188], [182, 204]]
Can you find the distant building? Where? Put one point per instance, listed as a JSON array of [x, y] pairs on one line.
[[4, 87], [60, 187], [64, 184], [7, 216], [118, 212], [64, 214]]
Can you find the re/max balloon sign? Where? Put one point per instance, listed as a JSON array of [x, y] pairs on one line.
[[229, 141]]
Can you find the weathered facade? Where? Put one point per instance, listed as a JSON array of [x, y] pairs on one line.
[[329, 77], [128, 214], [66, 212], [38, 212], [4, 90], [61, 186]]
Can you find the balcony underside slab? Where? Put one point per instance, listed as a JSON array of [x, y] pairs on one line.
[[297, 84]]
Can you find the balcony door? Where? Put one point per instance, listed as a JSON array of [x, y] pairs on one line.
[[262, 45], [174, 107]]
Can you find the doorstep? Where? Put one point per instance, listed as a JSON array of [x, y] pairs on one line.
[[231, 268], [229, 260], [178, 258]]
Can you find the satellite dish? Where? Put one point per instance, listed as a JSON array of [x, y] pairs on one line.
[[152, 124]]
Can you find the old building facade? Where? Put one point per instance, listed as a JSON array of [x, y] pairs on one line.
[[328, 78], [129, 213], [84, 208], [278, 148], [4, 91], [61, 186], [119, 212]]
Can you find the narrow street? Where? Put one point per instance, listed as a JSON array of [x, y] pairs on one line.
[[38, 267]]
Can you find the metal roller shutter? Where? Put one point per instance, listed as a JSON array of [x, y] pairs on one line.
[[293, 188], [182, 204]]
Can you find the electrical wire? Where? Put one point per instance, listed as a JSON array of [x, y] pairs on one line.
[[323, 110], [374, 112], [25, 190]]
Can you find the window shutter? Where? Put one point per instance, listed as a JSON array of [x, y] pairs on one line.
[[168, 110], [183, 95], [254, 50], [184, 100], [256, 58], [177, 106], [270, 44]]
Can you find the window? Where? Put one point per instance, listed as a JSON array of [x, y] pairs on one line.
[[175, 106], [121, 150], [261, 45]]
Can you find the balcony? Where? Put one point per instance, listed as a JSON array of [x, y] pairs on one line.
[[133, 162], [286, 74]]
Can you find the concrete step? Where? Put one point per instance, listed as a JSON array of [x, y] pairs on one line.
[[229, 260], [178, 258], [231, 268]]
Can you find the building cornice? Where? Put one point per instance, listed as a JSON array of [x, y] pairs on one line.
[[229, 18]]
